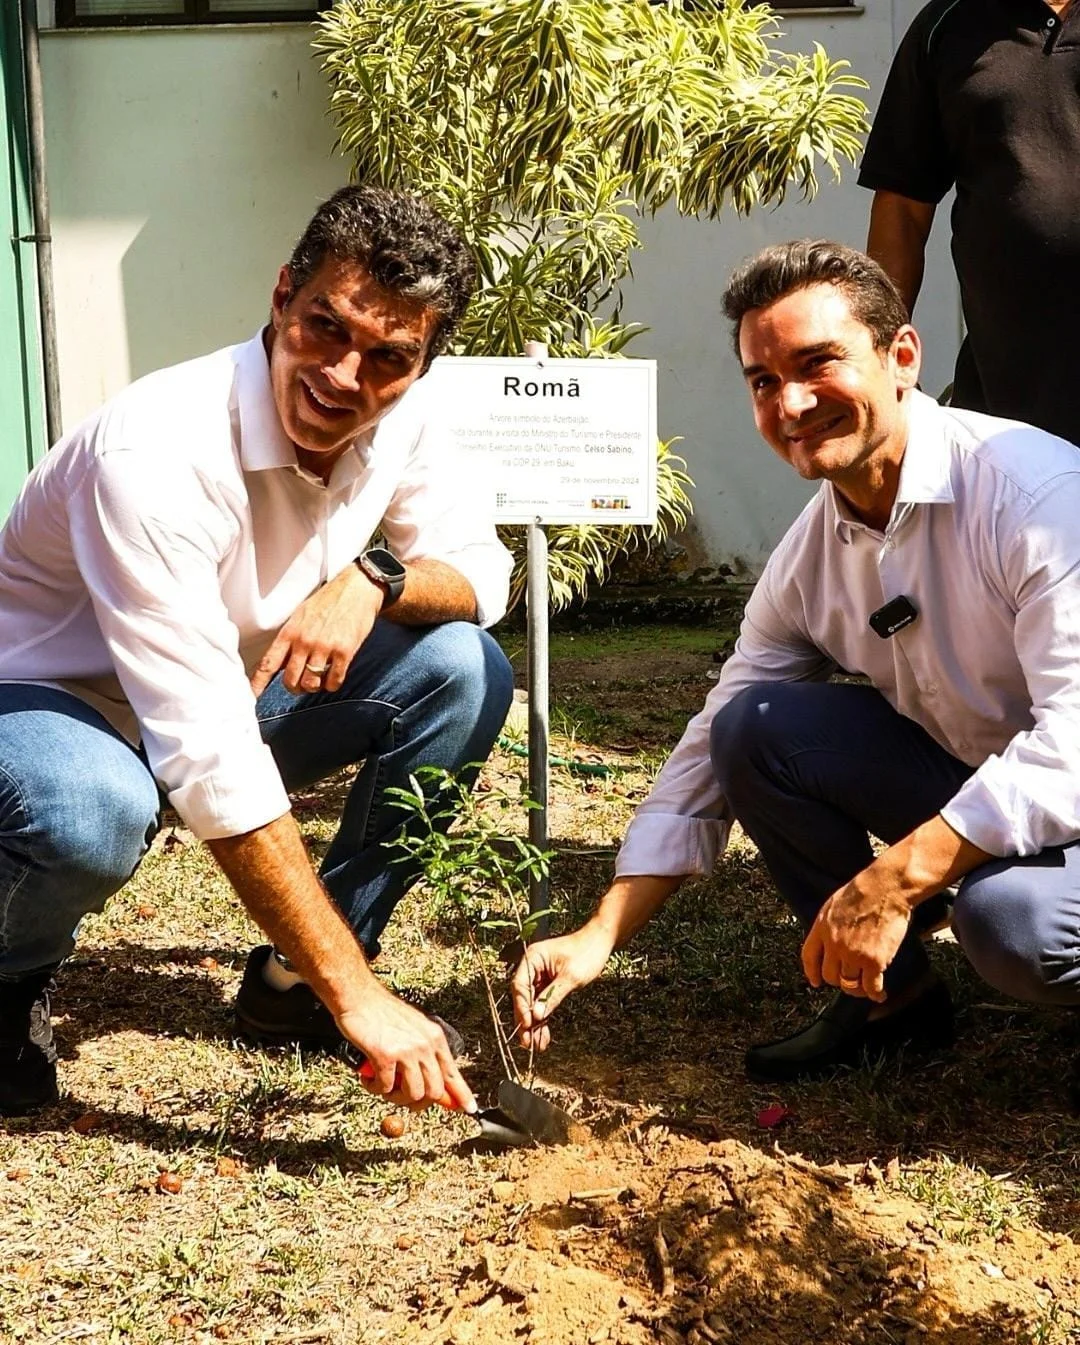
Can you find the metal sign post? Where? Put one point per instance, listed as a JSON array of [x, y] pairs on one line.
[[553, 441], [536, 604], [536, 599]]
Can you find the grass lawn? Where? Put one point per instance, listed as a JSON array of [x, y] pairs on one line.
[[189, 1188]]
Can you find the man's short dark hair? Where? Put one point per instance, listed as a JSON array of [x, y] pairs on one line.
[[777, 271], [404, 245]]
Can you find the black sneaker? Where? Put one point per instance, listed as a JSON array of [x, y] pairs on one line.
[[297, 1017], [844, 1034], [27, 1050]]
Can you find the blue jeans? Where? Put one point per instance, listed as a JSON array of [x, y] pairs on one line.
[[811, 768], [79, 806]]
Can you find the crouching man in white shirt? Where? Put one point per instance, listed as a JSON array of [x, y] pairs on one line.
[[941, 558], [190, 603]]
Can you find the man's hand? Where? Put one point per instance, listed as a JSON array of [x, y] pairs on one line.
[[855, 937], [549, 971], [315, 646], [859, 929], [408, 1055]]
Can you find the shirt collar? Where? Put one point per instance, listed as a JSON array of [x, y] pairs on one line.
[[263, 441], [925, 473]]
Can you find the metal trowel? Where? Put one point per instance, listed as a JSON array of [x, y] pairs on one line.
[[522, 1116]]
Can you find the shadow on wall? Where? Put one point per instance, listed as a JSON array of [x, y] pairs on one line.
[[218, 141], [249, 160]]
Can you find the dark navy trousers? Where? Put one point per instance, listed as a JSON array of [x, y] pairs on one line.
[[813, 769]]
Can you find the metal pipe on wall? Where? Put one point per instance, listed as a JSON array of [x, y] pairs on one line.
[[42, 236]]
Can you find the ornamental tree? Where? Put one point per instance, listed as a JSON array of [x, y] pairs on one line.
[[547, 128]]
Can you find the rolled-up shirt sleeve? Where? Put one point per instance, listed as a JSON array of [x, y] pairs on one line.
[[684, 824], [436, 514], [1027, 797], [148, 542]]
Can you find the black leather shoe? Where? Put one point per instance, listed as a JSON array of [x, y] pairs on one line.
[[297, 1016], [844, 1034], [27, 1049]]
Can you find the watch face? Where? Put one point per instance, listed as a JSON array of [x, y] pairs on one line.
[[384, 563]]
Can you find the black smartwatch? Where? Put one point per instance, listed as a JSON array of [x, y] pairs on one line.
[[382, 567]]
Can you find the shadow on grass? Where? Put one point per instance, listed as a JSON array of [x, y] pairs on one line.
[[128, 986], [667, 1026], [167, 993], [292, 1156], [665, 1031]]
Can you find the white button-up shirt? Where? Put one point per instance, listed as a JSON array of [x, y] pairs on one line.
[[156, 551], [984, 538]]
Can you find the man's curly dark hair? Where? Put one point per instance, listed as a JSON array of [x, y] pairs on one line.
[[404, 245]]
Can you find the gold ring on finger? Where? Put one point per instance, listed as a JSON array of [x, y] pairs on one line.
[[320, 669]]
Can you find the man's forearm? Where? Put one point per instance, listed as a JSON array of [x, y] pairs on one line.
[[899, 228], [272, 874], [434, 593], [630, 903], [925, 861]]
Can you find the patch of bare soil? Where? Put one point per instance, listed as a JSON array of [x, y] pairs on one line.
[[654, 1235]]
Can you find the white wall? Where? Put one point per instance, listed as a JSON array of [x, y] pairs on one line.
[[183, 163], [182, 166], [744, 496]]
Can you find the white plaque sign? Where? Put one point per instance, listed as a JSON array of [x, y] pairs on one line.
[[554, 441]]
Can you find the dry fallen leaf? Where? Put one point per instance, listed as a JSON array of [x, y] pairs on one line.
[[227, 1167]]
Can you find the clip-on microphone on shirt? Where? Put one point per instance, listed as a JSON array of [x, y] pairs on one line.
[[894, 616]]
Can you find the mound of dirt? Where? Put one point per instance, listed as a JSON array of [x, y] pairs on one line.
[[656, 1236]]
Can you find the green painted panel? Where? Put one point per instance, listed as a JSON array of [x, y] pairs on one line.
[[22, 433]]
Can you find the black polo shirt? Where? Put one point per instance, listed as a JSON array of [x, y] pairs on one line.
[[985, 95]]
